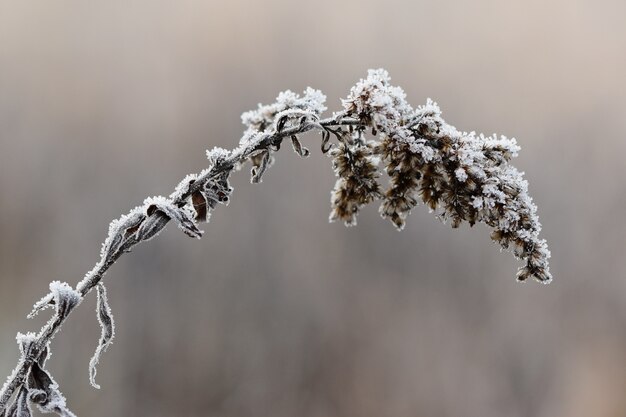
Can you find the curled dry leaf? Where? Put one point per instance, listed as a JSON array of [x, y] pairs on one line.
[[179, 214], [120, 230], [62, 296], [260, 163], [298, 148], [65, 298], [326, 145], [44, 392], [107, 326], [167, 208]]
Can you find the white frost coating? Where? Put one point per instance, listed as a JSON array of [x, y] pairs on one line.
[[42, 304], [204, 172], [107, 326], [23, 404], [114, 238], [249, 136], [290, 118], [65, 297], [461, 175], [386, 104], [315, 100], [263, 117], [53, 401], [431, 108], [216, 154], [183, 186], [62, 297], [89, 275], [24, 341]]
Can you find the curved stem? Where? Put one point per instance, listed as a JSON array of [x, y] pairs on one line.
[[93, 277]]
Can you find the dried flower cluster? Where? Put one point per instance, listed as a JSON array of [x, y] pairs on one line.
[[462, 176]]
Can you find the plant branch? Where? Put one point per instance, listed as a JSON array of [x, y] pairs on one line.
[[464, 176], [93, 277]]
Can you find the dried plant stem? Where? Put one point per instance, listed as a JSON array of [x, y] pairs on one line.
[[465, 175], [48, 331]]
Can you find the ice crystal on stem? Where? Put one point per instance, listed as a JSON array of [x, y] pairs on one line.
[[463, 177]]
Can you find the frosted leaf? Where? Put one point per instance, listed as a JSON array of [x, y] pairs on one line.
[[180, 215], [249, 136], [37, 395], [294, 117], [259, 120], [62, 296], [65, 298], [107, 326], [25, 341], [10, 410], [298, 148], [20, 407], [42, 304], [260, 163], [119, 229], [44, 392], [218, 191], [183, 187], [23, 404]]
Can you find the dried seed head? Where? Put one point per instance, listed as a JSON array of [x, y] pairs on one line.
[[357, 185], [464, 177]]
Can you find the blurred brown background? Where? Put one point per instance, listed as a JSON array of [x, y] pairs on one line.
[[275, 312]]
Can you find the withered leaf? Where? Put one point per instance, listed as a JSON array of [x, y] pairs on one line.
[[298, 148], [107, 326], [43, 391], [160, 206], [258, 170], [325, 141]]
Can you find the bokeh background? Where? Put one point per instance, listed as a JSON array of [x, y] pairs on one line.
[[276, 312]]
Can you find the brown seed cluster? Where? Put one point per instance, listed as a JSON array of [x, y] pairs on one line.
[[463, 177], [356, 166]]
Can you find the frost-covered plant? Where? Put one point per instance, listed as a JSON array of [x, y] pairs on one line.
[[463, 177]]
